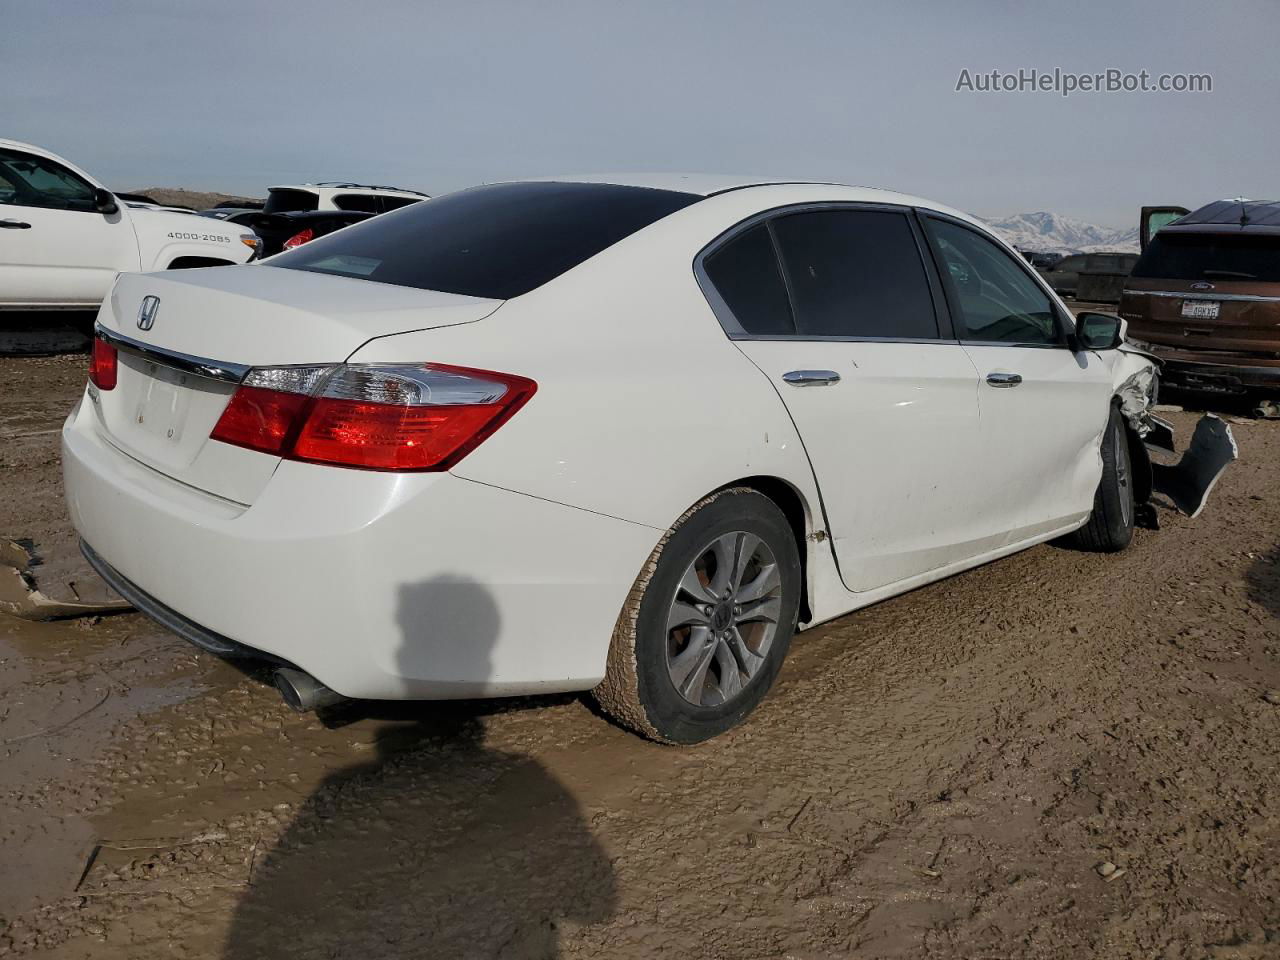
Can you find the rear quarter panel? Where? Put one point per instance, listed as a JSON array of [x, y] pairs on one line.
[[643, 405]]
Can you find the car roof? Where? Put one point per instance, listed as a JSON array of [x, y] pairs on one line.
[[702, 184], [805, 191], [19, 145], [49, 155], [1229, 216], [343, 185]]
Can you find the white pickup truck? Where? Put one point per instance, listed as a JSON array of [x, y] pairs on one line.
[[64, 237]]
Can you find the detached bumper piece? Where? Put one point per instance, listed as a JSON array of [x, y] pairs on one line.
[[1189, 483], [32, 589]]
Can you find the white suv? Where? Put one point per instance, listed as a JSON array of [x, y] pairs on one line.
[[64, 237], [339, 196]]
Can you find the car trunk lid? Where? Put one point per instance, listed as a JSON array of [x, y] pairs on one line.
[[204, 328]]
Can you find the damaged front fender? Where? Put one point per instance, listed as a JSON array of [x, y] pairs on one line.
[[1134, 382], [1187, 484]]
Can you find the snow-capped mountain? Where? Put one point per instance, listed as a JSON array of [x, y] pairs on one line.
[[1053, 232]]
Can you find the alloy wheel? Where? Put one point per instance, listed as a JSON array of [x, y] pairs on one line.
[[723, 619], [1120, 454]]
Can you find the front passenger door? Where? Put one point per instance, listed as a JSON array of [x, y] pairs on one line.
[[55, 247], [1043, 406]]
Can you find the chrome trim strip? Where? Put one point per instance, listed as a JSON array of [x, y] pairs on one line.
[[200, 366], [815, 338], [1015, 343], [1247, 297]]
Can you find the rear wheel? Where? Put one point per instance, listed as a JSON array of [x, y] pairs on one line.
[[708, 623], [1110, 526]]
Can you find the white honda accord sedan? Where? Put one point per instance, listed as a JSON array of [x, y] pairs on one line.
[[622, 435]]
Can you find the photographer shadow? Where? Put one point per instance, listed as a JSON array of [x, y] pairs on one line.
[[438, 847]]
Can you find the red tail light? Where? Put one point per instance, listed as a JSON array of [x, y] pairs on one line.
[[103, 365], [383, 417], [299, 238], [260, 419]]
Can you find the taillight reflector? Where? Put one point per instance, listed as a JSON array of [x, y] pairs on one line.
[[104, 364], [375, 417], [299, 238]]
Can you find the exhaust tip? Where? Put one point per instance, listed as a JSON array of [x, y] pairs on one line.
[[303, 692]]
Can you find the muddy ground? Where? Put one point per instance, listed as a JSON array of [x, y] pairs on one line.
[[937, 776]]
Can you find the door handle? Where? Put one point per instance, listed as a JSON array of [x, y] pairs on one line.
[[14, 225], [1004, 379], [811, 378]]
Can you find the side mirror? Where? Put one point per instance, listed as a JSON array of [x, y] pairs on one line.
[[1099, 331], [104, 201]]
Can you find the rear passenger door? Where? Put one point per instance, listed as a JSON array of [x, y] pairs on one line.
[[838, 307]]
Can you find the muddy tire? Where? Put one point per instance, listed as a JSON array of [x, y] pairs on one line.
[[707, 625], [1110, 526]]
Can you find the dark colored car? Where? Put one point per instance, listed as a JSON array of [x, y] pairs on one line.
[[1065, 275], [284, 231], [232, 214], [1039, 259], [1206, 297]]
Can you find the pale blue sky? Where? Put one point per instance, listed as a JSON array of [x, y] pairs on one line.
[[234, 96]]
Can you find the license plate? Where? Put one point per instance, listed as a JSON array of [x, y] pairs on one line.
[[1200, 309]]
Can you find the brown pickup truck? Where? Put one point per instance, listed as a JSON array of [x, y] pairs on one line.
[[1205, 298]]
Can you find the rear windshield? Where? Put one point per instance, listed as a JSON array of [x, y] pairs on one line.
[[495, 242], [290, 201], [1211, 256]]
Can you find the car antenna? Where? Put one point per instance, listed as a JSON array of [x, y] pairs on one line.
[[1244, 211]]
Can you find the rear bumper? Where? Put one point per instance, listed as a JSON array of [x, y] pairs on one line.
[[382, 586], [171, 619]]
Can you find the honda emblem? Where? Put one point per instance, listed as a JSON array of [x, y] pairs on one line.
[[147, 312]]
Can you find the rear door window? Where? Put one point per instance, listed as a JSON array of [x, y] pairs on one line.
[[364, 202], [395, 203], [746, 275], [496, 241], [855, 273], [291, 201], [1211, 256]]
